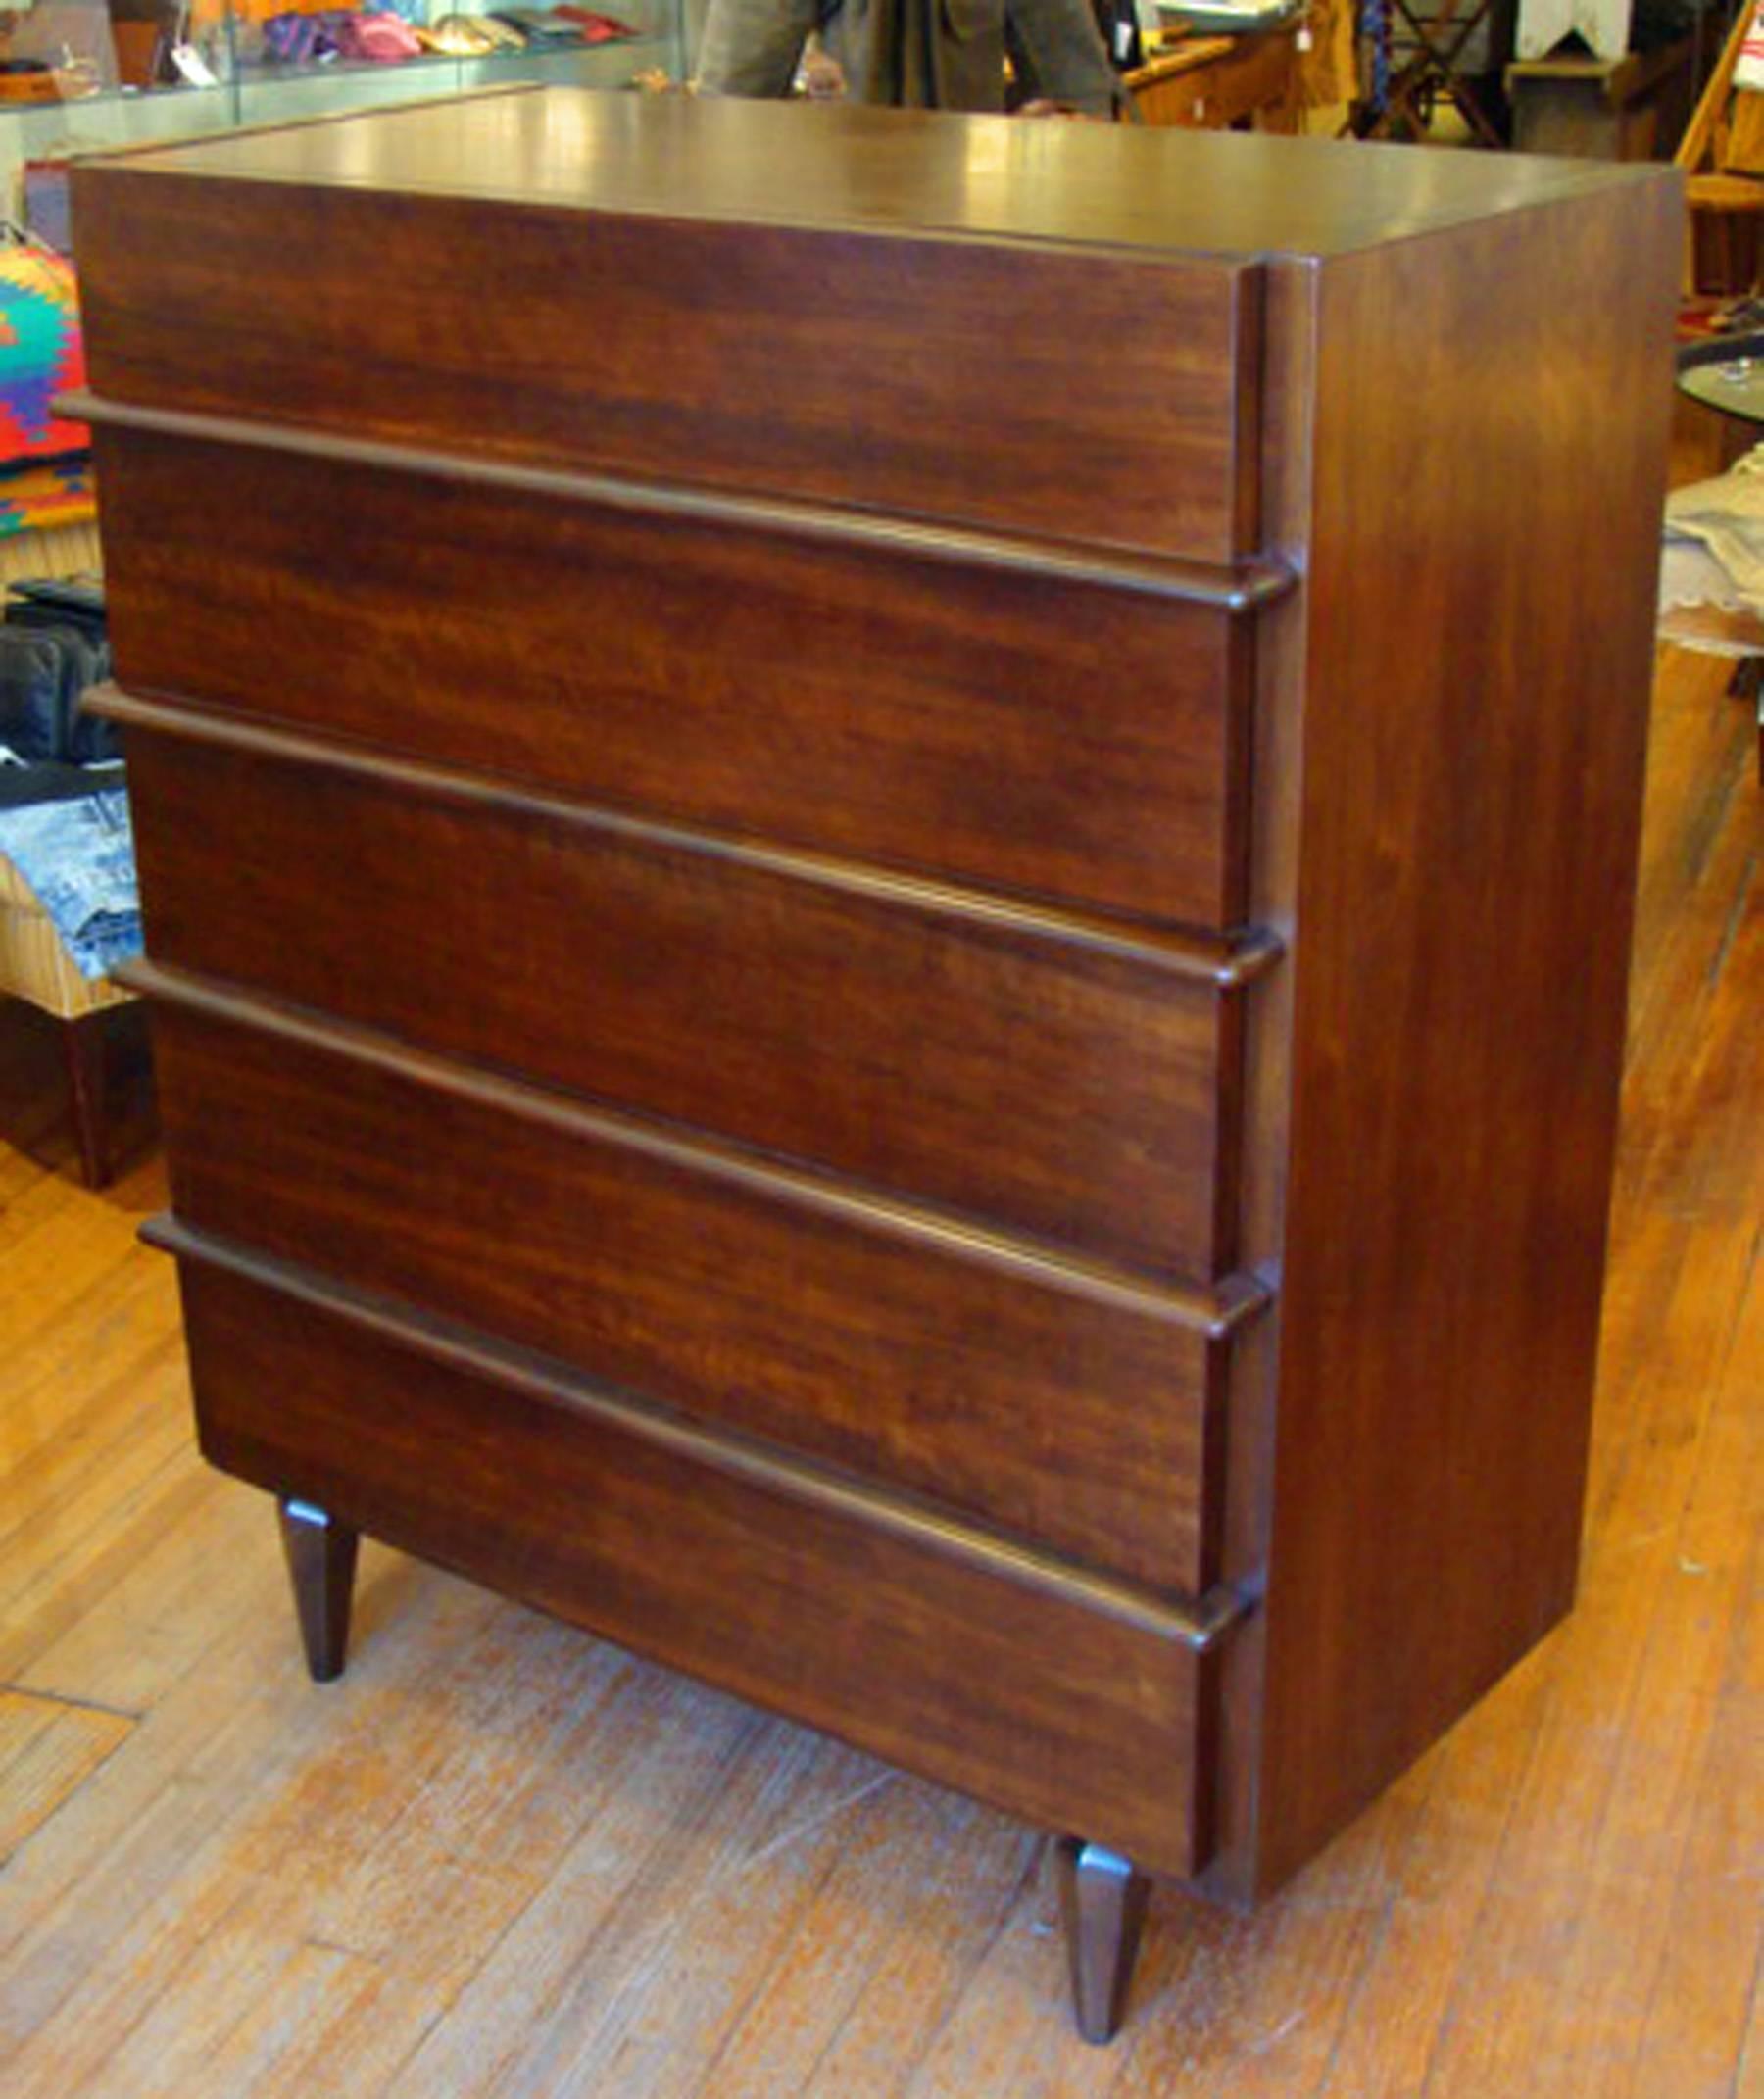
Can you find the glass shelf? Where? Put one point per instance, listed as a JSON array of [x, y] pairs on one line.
[[97, 56]]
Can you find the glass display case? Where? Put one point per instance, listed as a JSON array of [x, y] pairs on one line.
[[77, 75]]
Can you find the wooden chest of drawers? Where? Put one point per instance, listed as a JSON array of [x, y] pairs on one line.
[[887, 866]]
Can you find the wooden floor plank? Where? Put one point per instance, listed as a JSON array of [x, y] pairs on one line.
[[1748, 2075], [1264, 2012], [1442, 1887], [921, 1884], [246, 1795], [400, 1843], [1574, 1911], [653, 1933], [48, 1750], [1711, 1929], [132, 1642]]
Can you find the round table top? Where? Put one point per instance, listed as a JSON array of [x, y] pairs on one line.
[[1734, 386]]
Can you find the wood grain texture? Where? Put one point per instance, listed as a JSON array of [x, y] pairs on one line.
[[1198, 1625], [756, 357], [1078, 1424], [1474, 739], [1224, 961], [988, 728], [1443, 829], [1236, 586], [986, 1687], [500, 1856], [1244, 1456], [711, 160], [1031, 1085], [48, 1750]]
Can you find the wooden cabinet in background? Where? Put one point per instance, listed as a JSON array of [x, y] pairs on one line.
[[1217, 84], [1627, 109], [888, 868]]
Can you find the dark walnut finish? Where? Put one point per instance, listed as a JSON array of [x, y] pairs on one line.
[[888, 927], [855, 1031], [910, 1354], [964, 1671], [902, 392], [1481, 639], [321, 1563], [823, 696]]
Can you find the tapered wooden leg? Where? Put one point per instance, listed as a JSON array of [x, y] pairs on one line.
[[1104, 1901], [322, 1561], [83, 1050]]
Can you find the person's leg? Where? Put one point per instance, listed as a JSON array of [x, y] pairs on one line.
[[751, 47]]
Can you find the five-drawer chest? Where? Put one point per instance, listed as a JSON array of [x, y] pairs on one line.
[[887, 865]]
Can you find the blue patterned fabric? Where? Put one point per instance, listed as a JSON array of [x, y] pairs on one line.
[[77, 857], [1375, 27]]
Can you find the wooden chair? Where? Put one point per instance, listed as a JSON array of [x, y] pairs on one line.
[[1429, 69], [35, 966], [1722, 154]]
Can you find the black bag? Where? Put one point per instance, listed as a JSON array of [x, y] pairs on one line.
[[60, 602], [44, 672]]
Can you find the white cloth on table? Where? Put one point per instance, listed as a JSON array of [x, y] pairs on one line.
[[1715, 540]]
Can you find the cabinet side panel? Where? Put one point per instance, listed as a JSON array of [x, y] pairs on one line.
[[1488, 464]]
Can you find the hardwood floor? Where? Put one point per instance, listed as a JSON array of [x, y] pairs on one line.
[[501, 1858]]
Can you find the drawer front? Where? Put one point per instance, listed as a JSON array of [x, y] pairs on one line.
[[1026, 1400], [1050, 1711], [1038, 1084], [1095, 397], [1055, 738]]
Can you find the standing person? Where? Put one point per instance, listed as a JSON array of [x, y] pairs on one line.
[[915, 54]]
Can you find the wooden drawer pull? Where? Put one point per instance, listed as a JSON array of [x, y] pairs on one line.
[[1198, 1625], [1239, 587]]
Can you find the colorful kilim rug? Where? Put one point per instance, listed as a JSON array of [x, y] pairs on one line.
[[36, 497], [41, 353]]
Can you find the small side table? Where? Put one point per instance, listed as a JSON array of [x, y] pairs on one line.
[[1624, 108], [1211, 83], [1726, 375]]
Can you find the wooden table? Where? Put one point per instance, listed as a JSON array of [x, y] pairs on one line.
[[1218, 83]]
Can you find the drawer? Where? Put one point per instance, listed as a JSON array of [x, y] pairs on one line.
[[1052, 1711], [1027, 386], [1056, 738], [1025, 1395], [1041, 1084]]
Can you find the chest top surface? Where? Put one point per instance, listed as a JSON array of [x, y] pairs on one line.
[[853, 169]]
